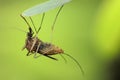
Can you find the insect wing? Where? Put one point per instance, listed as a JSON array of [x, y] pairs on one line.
[[44, 7]]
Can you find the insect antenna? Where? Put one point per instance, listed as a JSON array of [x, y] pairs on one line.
[[52, 28], [76, 62]]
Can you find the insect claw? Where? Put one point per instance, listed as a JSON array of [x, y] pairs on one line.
[[28, 54]]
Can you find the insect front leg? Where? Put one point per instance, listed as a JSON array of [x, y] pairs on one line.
[[34, 41], [35, 56]]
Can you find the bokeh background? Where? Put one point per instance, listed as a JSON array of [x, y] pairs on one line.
[[86, 29]]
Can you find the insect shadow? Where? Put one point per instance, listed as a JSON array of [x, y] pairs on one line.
[[36, 46]]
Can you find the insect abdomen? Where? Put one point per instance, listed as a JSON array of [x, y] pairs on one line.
[[49, 49]]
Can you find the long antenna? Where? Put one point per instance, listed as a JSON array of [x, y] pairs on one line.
[[76, 62], [52, 28], [41, 23], [33, 24]]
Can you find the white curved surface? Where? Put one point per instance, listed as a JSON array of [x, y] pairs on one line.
[[44, 7]]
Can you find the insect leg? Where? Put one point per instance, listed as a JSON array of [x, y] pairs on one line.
[[37, 31], [56, 17], [52, 28], [25, 20], [37, 50], [41, 23], [33, 24], [50, 57], [34, 41]]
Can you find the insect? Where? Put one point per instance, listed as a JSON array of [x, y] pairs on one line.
[[35, 46]]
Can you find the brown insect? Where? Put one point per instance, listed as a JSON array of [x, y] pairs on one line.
[[36, 46]]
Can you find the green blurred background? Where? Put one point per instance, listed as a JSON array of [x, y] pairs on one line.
[[86, 29]]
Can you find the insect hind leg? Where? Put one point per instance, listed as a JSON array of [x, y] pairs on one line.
[[52, 28], [50, 57]]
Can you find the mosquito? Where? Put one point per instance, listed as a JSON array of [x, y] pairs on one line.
[[35, 46]]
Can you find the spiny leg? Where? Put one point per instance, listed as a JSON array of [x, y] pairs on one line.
[[52, 28]]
